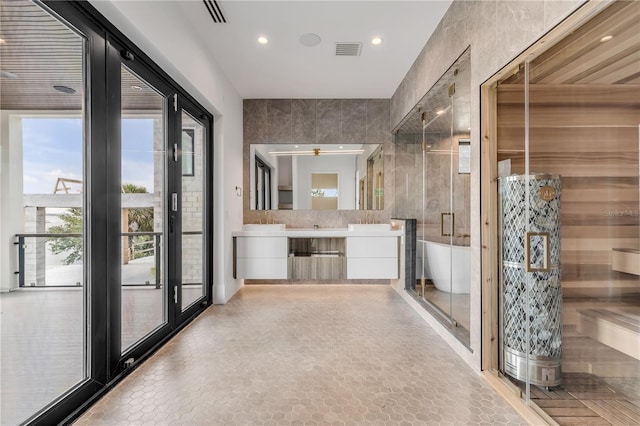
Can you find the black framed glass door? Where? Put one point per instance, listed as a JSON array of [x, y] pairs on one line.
[[125, 237], [193, 177]]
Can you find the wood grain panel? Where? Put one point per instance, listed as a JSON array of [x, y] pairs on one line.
[[589, 164], [552, 116], [610, 211], [584, 113], [571, 182], [583, 256], [601, 231], [595, 272], [585, 95], [615, 412], [564, 140], [586, 243], [601, 195]]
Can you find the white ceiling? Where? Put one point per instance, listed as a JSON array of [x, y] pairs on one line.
[[285, 68]]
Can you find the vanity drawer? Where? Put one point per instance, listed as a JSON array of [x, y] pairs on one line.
[[376, 268], [261, 268], [261, 247], [368, 247]]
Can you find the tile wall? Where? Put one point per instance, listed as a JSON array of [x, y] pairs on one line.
[[318, 121]]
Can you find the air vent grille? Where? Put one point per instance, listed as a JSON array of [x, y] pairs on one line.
[[214, 11], [348, 49]]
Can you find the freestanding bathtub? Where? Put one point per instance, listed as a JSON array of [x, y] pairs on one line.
[[447, 266]]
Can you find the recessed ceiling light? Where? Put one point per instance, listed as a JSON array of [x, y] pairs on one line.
[[376, 41], [606, 38], [65, 89], [341, 147], [8, 75], [136, 87], [440, 112], [2, 41], [263, 40], [310, 39], [296, 146]]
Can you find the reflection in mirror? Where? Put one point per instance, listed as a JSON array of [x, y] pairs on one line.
[[316, 177]]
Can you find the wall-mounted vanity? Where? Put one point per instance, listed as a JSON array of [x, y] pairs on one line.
[[360, 251]]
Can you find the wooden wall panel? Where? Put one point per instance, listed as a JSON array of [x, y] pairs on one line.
[[589, 136]]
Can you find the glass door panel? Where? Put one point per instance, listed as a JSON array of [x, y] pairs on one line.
[[514, 331], [43, 328], [438, 218], [584, 168], [460, 251], [192, 210], [143, 204]]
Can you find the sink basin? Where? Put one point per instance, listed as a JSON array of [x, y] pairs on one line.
[[263, 227], [369, 227]]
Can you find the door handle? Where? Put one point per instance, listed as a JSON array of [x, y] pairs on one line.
[[545, 255]]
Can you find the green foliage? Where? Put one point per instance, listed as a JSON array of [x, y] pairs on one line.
[[140, 220], [72, 246]]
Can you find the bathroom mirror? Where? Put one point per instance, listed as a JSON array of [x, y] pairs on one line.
[[316, 177]]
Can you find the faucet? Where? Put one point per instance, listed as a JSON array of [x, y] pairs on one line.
[[266, 217]]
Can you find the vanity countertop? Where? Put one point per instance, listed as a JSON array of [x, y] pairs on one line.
[[318, 233]]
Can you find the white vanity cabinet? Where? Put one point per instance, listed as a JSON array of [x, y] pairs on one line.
[[372, 257], [271, 253], [261, 257]]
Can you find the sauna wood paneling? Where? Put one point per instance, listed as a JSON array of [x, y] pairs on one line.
[[574, 94], [563, 140], [554, 115], [587, 134]]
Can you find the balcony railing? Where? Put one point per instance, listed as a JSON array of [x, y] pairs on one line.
[[38, 262]]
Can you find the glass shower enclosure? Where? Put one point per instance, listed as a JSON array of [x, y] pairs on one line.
[[432, 181]]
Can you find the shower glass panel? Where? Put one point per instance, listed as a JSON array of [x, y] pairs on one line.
[[437, 221], [432, 180]]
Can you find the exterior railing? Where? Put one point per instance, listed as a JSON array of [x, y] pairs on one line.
[[137, 248]]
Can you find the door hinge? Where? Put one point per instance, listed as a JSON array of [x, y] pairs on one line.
[[175, 295], [175, 102], [175, 152]]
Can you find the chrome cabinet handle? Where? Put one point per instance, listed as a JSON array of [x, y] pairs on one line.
[[527, 252]]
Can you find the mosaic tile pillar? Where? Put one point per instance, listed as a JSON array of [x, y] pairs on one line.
[[531, 293]]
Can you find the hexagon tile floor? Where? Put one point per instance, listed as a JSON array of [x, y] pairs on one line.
[[314, 354]]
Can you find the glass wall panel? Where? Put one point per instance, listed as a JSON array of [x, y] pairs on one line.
[[573, 111], [435, 228], [432, 180], [193, 184], [42, 104], [143, 200]]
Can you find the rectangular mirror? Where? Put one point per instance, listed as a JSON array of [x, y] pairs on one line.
[[316, 177]]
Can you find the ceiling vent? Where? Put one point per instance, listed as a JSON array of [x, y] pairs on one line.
[[214, 11], [348, 49]]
